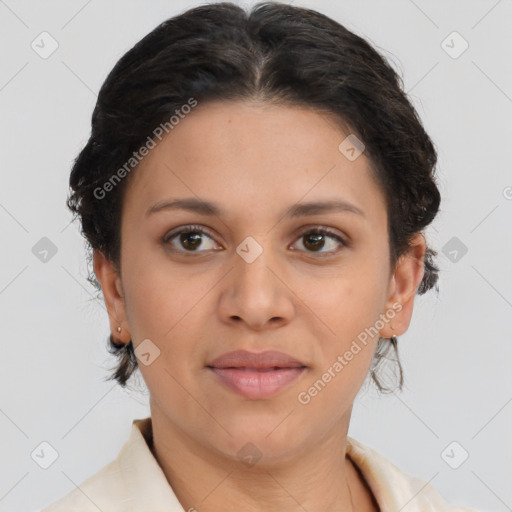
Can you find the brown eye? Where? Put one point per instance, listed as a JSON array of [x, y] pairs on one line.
[[189, 239], [314, 241], [317, 239]]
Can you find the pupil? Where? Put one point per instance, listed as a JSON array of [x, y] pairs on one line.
[[318, 241], [185, 237]]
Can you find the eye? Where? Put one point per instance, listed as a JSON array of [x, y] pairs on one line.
[[190, 238], [314, 240]]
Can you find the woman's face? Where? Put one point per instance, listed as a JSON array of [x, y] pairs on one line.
[[256, 280]]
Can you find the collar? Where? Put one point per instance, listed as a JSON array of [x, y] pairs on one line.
[[393, 489]]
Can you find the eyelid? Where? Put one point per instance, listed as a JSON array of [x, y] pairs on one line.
[[323, 229], [186, 228]]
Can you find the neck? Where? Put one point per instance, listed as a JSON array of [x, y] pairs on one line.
[[317, 478]]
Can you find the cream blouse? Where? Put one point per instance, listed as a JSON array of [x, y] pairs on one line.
[[134, 482]]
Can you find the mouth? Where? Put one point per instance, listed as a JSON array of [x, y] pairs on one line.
[[267, 360], [256, 375]]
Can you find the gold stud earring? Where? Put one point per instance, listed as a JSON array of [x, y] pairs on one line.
[[118, 328]]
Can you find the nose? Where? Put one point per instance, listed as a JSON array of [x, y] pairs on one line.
[[256, 293]]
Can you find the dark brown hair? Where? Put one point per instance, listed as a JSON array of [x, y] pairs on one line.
[[276, 53]]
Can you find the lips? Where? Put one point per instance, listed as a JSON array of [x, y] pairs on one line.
[[256, 376], [268, 360]]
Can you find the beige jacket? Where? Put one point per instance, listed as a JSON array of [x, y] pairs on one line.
[[134, 482]]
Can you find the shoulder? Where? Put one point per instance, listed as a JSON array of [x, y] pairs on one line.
[[133, 481], [90, 495], [394, 489]]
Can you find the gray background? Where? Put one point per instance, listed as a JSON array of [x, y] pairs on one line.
[[458, 349]]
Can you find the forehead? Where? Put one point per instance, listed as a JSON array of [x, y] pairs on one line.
[[244, 155]]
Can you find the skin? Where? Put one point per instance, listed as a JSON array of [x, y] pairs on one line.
[[256, 160]]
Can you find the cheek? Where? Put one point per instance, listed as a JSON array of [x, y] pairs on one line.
[[163, 312], [167, 307], [157, 296], [349, 301], [350, 305], [330, 393], [149, 309], [351, 311]]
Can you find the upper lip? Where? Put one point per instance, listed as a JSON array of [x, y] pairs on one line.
[[260, 360]]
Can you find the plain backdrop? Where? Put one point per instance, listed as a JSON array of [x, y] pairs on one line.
[[458, 349]]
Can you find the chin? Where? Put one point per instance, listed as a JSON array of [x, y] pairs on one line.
[[268, 438]]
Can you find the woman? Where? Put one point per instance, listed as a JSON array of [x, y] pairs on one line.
[[254, 191]]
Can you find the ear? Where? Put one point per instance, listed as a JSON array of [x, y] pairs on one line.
[[403, 286], [112, 290]]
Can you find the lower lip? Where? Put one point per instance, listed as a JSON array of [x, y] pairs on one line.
[[257, 384]]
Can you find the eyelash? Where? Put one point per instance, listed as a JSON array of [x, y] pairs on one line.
[[194, 228]]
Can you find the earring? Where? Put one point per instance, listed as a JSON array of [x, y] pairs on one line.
[[393, 339], [118, 328]]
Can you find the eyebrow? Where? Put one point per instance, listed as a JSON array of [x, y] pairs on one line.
[[203, 207]]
